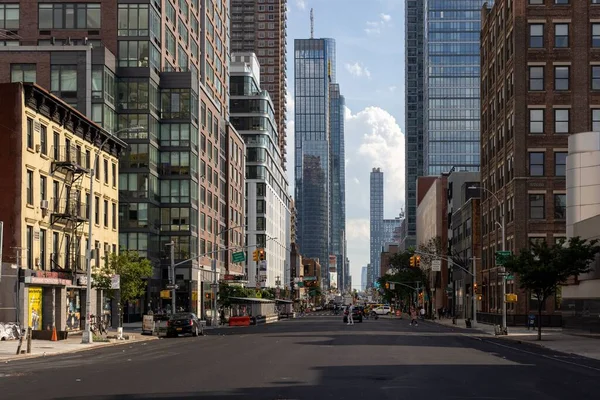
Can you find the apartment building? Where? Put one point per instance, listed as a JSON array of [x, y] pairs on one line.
[[155, 74], [47, 152], [534, 94]]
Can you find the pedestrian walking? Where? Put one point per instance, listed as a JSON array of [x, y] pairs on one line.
[[422, 312], [350, 319], [413, 317]]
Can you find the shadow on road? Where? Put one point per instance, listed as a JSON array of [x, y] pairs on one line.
[[400, 381]]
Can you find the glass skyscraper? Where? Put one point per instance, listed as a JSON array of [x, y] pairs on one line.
[[376, 220], [451, 85], [338, 180], [314, 70], [414, 114]]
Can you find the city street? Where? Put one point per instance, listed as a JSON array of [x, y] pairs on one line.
[[314, 357]]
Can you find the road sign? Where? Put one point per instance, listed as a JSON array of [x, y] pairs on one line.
[[510, 277], [171, 287], [501, 257], [436, 265], [392, 286], [238, 257]]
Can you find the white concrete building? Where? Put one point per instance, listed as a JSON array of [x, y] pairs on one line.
[[268, 213]]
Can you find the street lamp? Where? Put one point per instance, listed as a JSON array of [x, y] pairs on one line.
[[86, 337], [502, 226], [214, 271]]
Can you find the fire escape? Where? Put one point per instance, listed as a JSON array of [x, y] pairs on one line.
[[68, 212]]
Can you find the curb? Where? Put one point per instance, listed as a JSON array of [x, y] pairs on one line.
[[106, 344]]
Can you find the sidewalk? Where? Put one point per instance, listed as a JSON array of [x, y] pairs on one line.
[[552, 338], [42, 348]]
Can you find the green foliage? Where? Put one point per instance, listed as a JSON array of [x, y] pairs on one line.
[[133, 271], [543, 268], [403, 273]]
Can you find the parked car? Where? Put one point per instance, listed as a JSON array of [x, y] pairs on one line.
[[382, 310], [357, 314], [184, 323]]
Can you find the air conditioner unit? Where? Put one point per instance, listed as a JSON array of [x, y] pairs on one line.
[[38, 148], [44, 204]]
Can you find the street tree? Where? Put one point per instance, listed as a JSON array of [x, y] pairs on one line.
[[133, 272], [429, 251], [542, 268]]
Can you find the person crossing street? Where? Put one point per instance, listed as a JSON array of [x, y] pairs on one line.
[[350, 310]]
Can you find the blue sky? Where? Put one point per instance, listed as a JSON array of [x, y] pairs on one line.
[[370, 70]]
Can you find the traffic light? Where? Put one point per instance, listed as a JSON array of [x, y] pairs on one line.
[[475, 288], [387, 285], [262, 255], [412, 261], [255, 255], [418, 261]]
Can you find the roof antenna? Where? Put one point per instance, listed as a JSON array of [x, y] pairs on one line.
[[312, 24]]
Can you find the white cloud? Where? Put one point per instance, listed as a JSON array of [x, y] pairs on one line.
[[392, 88], [301, 4], [358, 230], [358, 70], [375, 27], [356, 181]]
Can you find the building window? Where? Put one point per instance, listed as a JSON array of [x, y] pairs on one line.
[[29, 133], [536, 78], [561, 77], [561, 35], [596, 35], [596, 118], [30, 187], [97, 210], [69, 16], [43, 182], [105, 213], [536, 206], [114, 175], [63, 80], [536, 163], [9, 16], [106, 172], [42, 249], [134, 53], [561, 120], [536, 35], [29, 247], [561, 1], [560, 163], [22, 72], [536, 2], [56, 145], [133, 20], [595, 77], [114, 216], [536, 120], [560, 206], [43, 140]]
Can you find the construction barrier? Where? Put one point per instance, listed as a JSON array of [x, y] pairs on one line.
[[239, 321]]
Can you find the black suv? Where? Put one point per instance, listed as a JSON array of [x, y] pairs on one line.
[[357, 314]]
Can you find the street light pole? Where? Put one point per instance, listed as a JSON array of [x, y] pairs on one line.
[[173, 278], [86, 337], [502, 226]]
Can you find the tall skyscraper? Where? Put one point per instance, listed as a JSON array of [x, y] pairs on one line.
[[413, 160], [363, 278], [261, 28], [338, 181], [314, 71], [267, 200], [451, 85], [376, 220], [156, 77]]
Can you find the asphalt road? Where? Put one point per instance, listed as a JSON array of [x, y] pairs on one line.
[[315, 357]]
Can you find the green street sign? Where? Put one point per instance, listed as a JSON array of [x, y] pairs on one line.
[[501, 257], [238, 257], [510, 277]]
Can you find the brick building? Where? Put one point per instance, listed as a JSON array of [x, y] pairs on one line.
[[156, 75], [540, 82]]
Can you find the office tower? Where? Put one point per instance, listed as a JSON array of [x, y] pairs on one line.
[[314, 71], [376, 220], [156, 76], [268, 203], [539, 82], [338, 181], [363, 278], [451, 86], [261, 28], [413, 160]]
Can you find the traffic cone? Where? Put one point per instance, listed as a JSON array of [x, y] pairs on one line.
[[54, 336]]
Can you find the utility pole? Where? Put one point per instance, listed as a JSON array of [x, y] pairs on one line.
[[173, 278], [474, 294], [18, 284], [1, 245], [214, 284]]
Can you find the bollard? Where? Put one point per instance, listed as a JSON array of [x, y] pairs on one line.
[[20, 342], [29, 334]]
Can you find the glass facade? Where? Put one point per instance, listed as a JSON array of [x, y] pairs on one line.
[[314, 64], [338, 180], [376, 220], [414, 113], [451, 92]]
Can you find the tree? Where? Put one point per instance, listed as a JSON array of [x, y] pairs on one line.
[[401, 272], [428, 251], [543, 268], [133, 271]]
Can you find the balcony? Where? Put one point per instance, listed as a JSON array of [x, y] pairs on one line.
[[67, 210], [66, 262], [69, 159]]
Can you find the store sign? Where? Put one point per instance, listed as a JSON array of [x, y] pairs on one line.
[[47, 281]]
